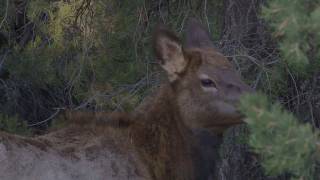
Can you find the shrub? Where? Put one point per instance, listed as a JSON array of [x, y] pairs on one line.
[[283, 144], [13, 125]]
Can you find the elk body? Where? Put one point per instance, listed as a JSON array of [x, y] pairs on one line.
[[156, 141]]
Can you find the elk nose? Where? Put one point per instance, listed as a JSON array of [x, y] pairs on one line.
[[240, 88], [236, 91], [247, 89]]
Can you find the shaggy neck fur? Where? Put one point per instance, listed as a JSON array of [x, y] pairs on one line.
[[162, 139]]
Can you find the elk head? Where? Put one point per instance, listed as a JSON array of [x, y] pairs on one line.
[[206, 85]]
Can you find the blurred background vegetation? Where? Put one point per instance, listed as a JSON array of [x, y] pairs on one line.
[[96, 55], [82, 54]]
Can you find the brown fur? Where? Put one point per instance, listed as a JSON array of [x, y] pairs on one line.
[[155, 140]]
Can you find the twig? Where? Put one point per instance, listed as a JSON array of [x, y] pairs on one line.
[[252, 59], [205, 15], [296, 88], [256, 82], [311, 113], [6, 14], [3, 58], [46, 120]]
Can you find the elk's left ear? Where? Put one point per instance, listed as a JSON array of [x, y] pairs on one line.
[[168, 50]]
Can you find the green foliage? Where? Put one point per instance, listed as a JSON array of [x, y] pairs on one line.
[[13, 125], [36, 67], [283, 144], [296, 24], [91, 44], [88, 53]]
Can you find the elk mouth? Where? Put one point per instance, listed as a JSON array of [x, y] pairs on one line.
[[223, 124], [220, 128], [226, 123], [228, 110]]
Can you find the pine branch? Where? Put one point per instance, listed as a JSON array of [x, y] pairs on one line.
[[285, 145]]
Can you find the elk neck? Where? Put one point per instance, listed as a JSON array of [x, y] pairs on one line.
[[161, 138]]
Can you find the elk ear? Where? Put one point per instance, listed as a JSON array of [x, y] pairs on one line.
[[197, 36], [168, 50]]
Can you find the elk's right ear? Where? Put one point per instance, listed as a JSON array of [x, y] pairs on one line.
[[168, 50]]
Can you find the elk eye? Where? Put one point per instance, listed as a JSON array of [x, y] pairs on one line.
[[207, 83]]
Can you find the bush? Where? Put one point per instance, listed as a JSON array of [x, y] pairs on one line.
[[13, 125], [283, 144], [296, 24]]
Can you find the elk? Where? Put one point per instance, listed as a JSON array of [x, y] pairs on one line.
[[156, 140]]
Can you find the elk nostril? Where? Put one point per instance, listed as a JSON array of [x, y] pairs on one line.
[[230, 86], [234, 87]]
